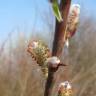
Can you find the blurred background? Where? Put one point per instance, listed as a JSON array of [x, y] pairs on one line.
[[23, 20]]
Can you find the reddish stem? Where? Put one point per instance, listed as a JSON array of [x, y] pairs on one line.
[[58, 44]]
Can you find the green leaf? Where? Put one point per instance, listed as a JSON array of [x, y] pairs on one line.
[[56, 10]]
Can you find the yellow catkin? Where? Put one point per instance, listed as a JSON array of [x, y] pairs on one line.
[[40, 53]]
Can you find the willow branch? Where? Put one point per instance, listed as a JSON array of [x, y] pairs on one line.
[[58, 44]]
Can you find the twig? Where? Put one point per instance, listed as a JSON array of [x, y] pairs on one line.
[[58, 44]]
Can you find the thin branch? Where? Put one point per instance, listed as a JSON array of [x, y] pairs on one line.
[[58, 44]]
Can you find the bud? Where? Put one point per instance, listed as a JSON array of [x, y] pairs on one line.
[[65, 89], [53, 61]]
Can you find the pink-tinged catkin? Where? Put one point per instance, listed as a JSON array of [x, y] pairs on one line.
[[72, 23]]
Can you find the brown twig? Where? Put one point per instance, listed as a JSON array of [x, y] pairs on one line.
[[58, 44]]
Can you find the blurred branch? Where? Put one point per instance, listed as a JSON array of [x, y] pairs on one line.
[[4, 43]]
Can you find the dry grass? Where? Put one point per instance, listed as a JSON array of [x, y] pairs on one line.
[[20, 76]]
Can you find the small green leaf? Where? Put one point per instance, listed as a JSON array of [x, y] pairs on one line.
[[56, 10]]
